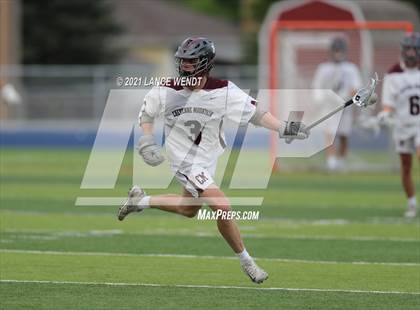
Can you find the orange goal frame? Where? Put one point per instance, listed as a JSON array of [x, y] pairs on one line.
[[278, 26]]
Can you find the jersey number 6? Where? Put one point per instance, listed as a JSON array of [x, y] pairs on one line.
[[414, 105]]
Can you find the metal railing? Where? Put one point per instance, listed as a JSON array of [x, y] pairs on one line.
[[80, 92]]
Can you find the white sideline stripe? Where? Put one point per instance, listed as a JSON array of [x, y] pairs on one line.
[[208, 286], [355, 238], [177, 232], [291, 237], [284, 260]]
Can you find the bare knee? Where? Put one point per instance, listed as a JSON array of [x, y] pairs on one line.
[[222, 204], [190, 211], [216, 199]]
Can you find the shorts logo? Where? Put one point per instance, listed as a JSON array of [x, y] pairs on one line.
[[201, 178]]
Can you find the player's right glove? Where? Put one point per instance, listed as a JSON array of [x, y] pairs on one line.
[[150, 151], [293, 130]]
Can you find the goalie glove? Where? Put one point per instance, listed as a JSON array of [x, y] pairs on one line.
[[385, 118], [150, 151], [293, 130]]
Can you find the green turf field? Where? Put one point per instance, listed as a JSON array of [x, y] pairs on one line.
[[328, 241]]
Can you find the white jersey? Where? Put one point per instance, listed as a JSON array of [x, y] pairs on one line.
[[194, 119], [401, 92], [343, 78]]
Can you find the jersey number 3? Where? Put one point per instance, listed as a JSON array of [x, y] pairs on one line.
[[414, 105], [195, 129]]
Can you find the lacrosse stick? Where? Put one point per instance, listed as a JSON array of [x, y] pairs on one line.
[[361, 99]]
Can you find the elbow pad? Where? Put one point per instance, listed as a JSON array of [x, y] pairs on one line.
[[144, 117], [256, 118]]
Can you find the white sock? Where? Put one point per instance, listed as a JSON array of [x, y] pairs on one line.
[[332, 162], [144, 203], [244, 256], [412, 202]]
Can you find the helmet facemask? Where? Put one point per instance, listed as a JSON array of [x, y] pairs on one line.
[[200, 66], [408, 54], [194, 57], [338, 50], [410, 50]]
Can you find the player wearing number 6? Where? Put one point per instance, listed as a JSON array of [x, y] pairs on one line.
[[194, 139], [401, 108]]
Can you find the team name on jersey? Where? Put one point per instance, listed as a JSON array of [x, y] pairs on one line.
[[180, 111], [409, 87]]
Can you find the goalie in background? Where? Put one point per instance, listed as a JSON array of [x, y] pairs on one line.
[[342, 77], [401, 109]]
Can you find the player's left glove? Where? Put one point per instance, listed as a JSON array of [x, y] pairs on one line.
[[150, 151], [293, 130], [369, 123], [385, 118]]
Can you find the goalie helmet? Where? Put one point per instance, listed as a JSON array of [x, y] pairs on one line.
[[410, 49], [338, 49], [199, 52]]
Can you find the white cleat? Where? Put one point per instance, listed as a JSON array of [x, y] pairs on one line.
[[135, 194], [257, 274], [410, 213]]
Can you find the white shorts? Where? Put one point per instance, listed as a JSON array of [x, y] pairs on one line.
[[196, 178], [408, 145], [346, 123]]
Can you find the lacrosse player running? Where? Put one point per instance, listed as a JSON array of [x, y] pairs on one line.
[[193, 118], [401, 108], [343, 77]]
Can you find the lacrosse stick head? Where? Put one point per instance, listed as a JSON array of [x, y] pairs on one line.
[[366, 95]]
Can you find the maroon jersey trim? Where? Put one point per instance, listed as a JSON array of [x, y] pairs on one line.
[[396, 68], [213, 83]]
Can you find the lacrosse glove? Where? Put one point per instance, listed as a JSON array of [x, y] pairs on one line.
[[150, 151], [293, 130]]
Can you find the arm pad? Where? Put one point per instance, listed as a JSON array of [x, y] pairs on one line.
[[256, 118]]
